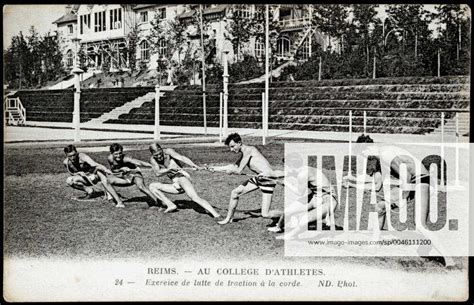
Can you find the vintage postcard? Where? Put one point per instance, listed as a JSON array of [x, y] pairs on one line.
[[237, 152]]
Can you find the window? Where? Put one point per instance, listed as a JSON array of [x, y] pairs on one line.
[[84, 22], [115, 19], [69, 58], [245, 11], [144, 50], [144, 16], [305, 50], [162, 47], [259, 49], [70, 29], [283, 46], [161, 12], [99, 22]]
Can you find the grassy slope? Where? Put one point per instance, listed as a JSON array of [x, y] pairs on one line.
[[42, 220]]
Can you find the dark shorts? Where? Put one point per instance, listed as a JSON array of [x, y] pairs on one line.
[[91, 179], [130, 177], [264, 184]]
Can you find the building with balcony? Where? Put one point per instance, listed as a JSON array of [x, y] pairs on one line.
[[102, 32], [67, 31]]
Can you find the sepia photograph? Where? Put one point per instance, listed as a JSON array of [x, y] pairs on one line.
[[236, 152]]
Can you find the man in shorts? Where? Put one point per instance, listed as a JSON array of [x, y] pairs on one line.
[[168, 162], [303, 183], [126, 171], [85, 173], [391, 158], [256, 162]]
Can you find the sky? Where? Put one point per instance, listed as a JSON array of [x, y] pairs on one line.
[[18, 18]]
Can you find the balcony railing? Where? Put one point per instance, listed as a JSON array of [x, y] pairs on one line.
[[294, 23]]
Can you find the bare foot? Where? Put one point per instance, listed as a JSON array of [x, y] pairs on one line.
[[276, 229], [119, 205], [225, 221], [171, 208], [285, 237]]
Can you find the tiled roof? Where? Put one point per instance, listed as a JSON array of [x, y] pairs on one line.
[[66, 18], [211, 10], [140, 6]]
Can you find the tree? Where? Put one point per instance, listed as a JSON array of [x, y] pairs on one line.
[[34, 58], [331, 19], [131, 42], [454, 37], [363, 25], [241, 28], [52, 57]]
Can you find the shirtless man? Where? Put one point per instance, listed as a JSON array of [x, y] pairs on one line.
[[85, 172], [256, 162], [391, 157], [298, 181], [168, 162], [126, 171]]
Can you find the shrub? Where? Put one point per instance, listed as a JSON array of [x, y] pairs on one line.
[[246, 69]]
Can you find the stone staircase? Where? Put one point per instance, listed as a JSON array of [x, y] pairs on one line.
[[450, 125], [115, 113]]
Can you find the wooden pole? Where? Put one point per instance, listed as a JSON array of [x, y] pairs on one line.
[[156, 133], [365, 122], [203, 73], [457, 150], [442, 150], [320, 66], [263, 119], [76, 119], [267, 55], [439, 62], [220, 116], [226, 92], [373, 72]]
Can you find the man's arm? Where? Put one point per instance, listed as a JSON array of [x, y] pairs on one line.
[[180, 157], [244, 161], [230, 168], [92, 163], [158, 170], [366, 184], [65, 163], [136, 162]]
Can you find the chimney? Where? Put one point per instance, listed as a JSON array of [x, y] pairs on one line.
[[68, 8]]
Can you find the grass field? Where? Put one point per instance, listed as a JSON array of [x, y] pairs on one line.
[[42, 220]]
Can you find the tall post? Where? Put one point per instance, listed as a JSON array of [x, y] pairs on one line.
[[458, 45], [439, 62], [442, 150], [203, 72], [220, 116], [350, 143], [457, 150], [156, 134], [365, 122], [320, 66], [310, 39], [267, 55], [76, 116], [375, 65], [416, 45], [226, 91], [263, 119]]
